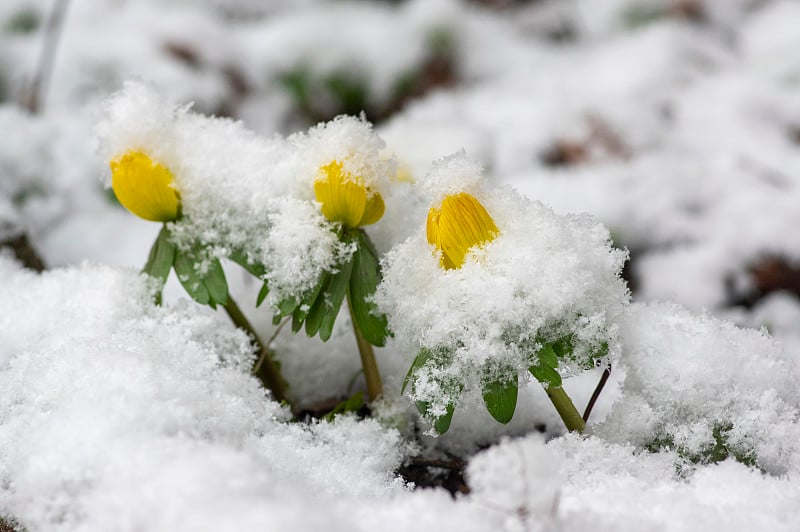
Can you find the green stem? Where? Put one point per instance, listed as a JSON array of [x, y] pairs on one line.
[[566, 409], [368, 362], [265, 368]]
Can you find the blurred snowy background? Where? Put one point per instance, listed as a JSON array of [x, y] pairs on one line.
[[674, 122]]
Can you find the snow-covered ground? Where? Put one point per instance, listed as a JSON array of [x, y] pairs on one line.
[[675, 124]]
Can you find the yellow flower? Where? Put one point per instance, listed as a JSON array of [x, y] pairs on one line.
[[346, 198], [145, 187], [457, 225]]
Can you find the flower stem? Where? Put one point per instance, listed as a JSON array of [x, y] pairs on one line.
[[265, 368], [371, 373], [566, 409]]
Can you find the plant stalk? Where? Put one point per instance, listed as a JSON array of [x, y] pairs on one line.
[[566, 409], [371, 373], [265, 368], [596, 394], [33, 99]]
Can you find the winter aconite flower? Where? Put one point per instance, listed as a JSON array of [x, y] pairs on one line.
[[345, 198], [145, 187], [457, 225]]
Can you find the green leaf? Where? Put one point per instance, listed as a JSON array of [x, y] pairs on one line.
[[602, 351], [545, 369], [209, 288], [335, 293], [324, 302], [563, 347], [215, 282], [240, 257], [363, 282], [419, 361], [297, 322], [190, 279], [351, 404], [546, 375], [305, 306], [262, 294], [441, 424], [162, 256], [316, 312], [287, 305], [500, 397], [547, 356]]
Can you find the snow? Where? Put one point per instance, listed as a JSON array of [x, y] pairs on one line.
[[689, 375], [115, 405], [672, 128]]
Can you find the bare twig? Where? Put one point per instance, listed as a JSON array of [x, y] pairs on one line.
[[272, 338], [598, 389], [265, 369], [32, 99]]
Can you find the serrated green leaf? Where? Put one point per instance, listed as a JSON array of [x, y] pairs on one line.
[[335, 294], [262, 294], [441, 424], [363, 282], [190, 279], [500, 397], [419, 361], [161, 258], [240, 257], [215, 282]]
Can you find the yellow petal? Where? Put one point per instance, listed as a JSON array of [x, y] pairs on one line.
[[345, 198], [458, 225], [373, 211], [145, 187]]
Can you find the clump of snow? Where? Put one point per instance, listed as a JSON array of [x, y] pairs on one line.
[[298, 238], [704, 387], [543, 278], [521, 476], [617, 487], [117, 414]]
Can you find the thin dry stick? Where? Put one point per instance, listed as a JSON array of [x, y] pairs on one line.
[[271, 376], [32, 99], [598, 389], [263, 356]]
